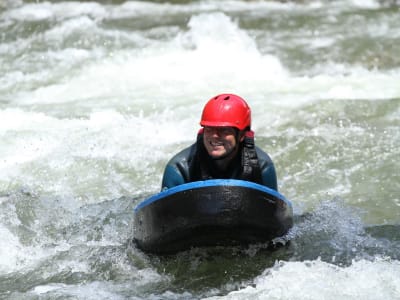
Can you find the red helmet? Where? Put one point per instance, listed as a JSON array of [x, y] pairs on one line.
[[226, 110]]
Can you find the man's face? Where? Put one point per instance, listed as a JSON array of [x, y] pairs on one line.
[[220, 142]]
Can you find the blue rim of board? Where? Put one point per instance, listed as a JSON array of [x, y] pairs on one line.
[[211, 183]]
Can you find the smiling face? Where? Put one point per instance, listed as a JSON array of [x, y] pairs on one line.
[[220, 142]]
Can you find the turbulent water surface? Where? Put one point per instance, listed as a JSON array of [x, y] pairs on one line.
[[95, 97]]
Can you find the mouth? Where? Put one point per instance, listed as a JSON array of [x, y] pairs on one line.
[[216, 144]]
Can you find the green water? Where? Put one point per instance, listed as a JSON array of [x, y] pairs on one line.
[[96, 96]]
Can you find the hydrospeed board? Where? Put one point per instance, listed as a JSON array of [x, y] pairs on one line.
[[209, 213]]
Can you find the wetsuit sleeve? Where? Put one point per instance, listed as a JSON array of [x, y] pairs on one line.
[[172, 177], [177, 170], [268, 176]]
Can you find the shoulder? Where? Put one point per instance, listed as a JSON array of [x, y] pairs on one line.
[[267, 167], [182, 156], [176, 171], [263, 157]]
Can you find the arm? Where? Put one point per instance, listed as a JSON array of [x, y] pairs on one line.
[[268, 176], [268, 173], [172, 177], [177, 170]]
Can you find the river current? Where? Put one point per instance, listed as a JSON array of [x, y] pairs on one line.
[[96, 96]]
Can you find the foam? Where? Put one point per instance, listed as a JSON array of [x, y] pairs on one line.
[[15, 256], [161, 68], [10, 251], [47, 11], [41, 150], [379, 279]]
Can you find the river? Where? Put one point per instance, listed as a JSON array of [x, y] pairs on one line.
[[95, 97]]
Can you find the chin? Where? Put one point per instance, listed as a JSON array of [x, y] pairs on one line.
[[216, 156]]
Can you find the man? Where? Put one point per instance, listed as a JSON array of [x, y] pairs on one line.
[[224, 149]]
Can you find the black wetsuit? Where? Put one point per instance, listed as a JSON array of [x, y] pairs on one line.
[[193, 164]]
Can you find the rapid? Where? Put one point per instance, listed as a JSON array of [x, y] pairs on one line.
[[96, 96]]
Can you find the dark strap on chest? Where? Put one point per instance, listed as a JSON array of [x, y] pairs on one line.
[[250, 166]]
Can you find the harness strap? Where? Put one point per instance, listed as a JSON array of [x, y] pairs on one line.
[[250, 165]]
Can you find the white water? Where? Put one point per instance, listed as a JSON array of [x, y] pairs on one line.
[[317, 279], [95, 98]]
